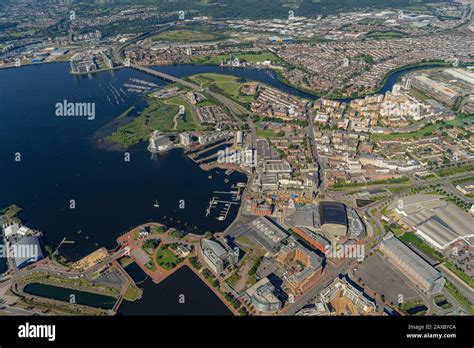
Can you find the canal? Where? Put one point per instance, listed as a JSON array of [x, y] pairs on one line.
[[66, 295]]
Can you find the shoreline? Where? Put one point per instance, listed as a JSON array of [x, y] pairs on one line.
[[422, 65]]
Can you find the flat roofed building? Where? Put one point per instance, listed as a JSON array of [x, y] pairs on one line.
[[420, 272], [306, 216], [15, 229], [215, 255], [269, 181], [438, 222], [267, 233], [263, 149], [316, 240], [277, 166], [10, 230], [309, 266], [159, 142], [464, 75], [345, 298]]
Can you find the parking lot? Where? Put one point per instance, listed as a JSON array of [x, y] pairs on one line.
[[377, 275]]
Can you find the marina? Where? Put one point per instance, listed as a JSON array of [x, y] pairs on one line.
[[223, 202]]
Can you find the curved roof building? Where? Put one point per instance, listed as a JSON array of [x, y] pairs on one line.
[[27, 250], [333, 219]]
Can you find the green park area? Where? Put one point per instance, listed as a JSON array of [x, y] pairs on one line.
[[224, 84], [186, 35], [266, 133], [166, 259], [382, 35], [242, 57], [10, 213], [442, 302], [458, 295], [414, 306], [455, 170], [427, 130], [161, 115], [416, 242], [341, 185], [133, 293], [460, 273]]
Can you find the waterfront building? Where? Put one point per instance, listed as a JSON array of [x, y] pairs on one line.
[[420, 272], [442, 92], [263, 297], [216, 257], [83, 65], [26, 251], [159, 142], [185, 138], [15, 229]]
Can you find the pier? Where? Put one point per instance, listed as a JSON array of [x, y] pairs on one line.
[[213, 203]]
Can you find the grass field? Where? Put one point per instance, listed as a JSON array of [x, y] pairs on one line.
[[186, 122], [133, 293], [411, 238], [455, 170], [167, 259], [225, 84], [158, 115], [186, 35], [385, 35], [266, 133], [243, 57], [464, 276], [463, 301], [414, 307], [349, 185], [422, 132]]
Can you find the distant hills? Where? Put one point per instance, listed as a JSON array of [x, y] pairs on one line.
[[247, 8], [273, 8]]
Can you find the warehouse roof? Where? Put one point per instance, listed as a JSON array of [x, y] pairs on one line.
[[435, 220]]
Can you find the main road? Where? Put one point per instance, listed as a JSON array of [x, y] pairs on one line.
[[235, 108]]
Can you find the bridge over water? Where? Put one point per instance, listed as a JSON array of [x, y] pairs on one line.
[[235, 108]]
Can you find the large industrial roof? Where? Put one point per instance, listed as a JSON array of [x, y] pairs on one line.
[[410, 258], [437, 221], [332, 213]]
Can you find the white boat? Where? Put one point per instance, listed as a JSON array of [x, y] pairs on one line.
[[156, 205], [221, 218]]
